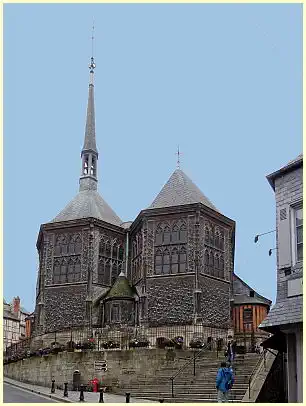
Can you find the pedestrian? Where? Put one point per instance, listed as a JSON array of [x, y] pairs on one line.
[[229, 351], [224, 382]]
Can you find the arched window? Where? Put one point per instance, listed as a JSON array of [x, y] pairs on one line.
[[175, 234], [115, 251], [221, 241], [57, 248], [114, 272], [183, 233], [211, 263], [207, 235], [71, 245], [182, 260], [115, 313], [108, 249], [158, 236], [102, 247], [70, 273], [166, 235], [101, 271], [158, 262], [211, 237], [217, 239], [174, 261], [56, 272], [166, 262], [120, 253], [134, 249], [77, 270], [107, 271], [217, 262], [78, 245], [221, 267], [63, 272], [206, 258]]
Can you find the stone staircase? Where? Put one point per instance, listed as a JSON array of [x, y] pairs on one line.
[[189, 388]]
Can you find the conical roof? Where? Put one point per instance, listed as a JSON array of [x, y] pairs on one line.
[[180, 190], [121, 288], [88, 203]]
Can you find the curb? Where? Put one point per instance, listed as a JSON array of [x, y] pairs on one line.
[[51, 396]]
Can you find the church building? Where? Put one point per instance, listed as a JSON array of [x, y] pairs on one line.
[[172, 265]]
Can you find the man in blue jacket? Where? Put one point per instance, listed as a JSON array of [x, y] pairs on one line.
[[224, 382]]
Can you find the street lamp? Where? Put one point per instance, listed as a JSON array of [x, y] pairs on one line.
[[270, 251], [258, 235]]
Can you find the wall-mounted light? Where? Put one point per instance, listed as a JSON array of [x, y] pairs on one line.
[[258, 235], [270, 251]]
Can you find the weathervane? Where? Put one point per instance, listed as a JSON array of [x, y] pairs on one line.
[[92, 64]]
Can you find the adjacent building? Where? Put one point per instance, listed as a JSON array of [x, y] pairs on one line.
[[14, 322], [249, 309], [285, 319]]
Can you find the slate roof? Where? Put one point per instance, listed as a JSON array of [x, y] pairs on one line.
[[121, 288], [180, 190], [243, 298], [7, 314], [90, 129], [257, 299], [296, 162], [284, 312], [88, 203]]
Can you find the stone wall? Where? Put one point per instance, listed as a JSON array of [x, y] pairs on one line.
[[215, 300], [123, 367], [64, 306], [170, 299]]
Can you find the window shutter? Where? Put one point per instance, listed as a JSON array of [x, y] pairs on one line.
[[284, 245]]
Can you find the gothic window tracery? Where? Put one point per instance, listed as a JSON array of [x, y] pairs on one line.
[[207, 239], [67, 244], [166, 235], [110, 260], [221, 245], [183, 233], [217, 238]]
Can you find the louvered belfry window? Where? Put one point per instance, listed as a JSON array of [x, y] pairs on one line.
[[170, 248]]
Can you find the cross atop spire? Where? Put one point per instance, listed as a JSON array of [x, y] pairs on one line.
[[178, 153]]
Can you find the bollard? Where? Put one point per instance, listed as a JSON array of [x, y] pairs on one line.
[[82, 393], [127, 397], [53, 386], [66, 390], [101, 399]]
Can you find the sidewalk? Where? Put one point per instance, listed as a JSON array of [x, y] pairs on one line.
[[73, 397]]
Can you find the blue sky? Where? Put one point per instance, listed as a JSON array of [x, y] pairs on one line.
[[223, 81]]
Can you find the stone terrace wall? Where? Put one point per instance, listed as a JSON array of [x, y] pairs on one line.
[[123, 366]]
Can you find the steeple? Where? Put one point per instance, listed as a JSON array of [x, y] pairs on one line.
[[89, 154]]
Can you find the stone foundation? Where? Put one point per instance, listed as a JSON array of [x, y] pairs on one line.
[[123, 366]]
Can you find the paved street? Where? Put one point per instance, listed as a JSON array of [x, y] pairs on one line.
[[11, 394]]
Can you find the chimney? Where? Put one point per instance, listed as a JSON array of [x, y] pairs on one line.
[[16, 304]]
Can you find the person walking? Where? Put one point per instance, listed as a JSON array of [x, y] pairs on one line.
[[224, 382]]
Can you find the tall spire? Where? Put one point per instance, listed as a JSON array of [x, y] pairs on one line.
[[89, 154]]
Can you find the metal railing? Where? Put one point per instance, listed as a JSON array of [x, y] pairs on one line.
[[183, 367], [124, 338]]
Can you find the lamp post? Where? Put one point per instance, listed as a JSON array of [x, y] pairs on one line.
[[259, 235]]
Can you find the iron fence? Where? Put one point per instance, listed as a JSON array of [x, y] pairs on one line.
[[128, 338]]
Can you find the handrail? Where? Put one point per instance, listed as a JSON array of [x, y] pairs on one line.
[[262, 357], [193, 358]]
